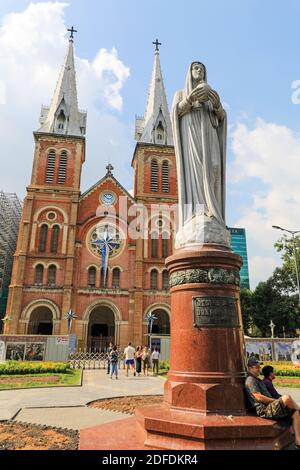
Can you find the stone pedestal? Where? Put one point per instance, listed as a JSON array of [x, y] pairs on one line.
[[204, 405], [204, 400]]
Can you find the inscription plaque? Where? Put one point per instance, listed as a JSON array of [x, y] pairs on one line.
[[215, 312]]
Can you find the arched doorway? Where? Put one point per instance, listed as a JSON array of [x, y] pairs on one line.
[[161, 326], [101, 329], [41, 322]]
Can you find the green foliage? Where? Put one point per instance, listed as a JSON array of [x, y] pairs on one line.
[[285, 277], [246, 307], [164, 366], [268, 303], [24, 368]]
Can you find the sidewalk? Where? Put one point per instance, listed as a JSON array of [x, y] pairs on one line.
[[96, 385], [65, 407]]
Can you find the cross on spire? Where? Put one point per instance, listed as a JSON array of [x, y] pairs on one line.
[[72, 31], [109, 169], [156, 44]]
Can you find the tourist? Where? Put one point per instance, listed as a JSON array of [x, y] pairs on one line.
[[138, 360], [109, 350], [129, 353], [267, 407], [114, 358], [155, 361], [269, 376], [146, 360]]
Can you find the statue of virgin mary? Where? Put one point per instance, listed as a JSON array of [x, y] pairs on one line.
[[200, 128]]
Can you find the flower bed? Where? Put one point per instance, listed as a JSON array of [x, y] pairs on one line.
[[24, 368], [283, 369]]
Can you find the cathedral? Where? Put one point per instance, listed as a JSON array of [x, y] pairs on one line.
[[99, 253]]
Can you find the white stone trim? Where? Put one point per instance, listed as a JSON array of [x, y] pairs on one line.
[[102, 303], [27, 311]]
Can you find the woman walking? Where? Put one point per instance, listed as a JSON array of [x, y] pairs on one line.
[[114, 358], [155, 361], [138, 360], [146, 360]]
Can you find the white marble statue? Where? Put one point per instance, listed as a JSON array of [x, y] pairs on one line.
[[200, 129]]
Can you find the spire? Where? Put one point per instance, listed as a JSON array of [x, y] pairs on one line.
[[63, 116], [155, 126]]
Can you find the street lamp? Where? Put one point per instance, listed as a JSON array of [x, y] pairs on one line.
[[150, 318], [293, 233]]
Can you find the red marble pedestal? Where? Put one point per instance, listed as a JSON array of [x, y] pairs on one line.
[[204, 405], [204, 400]]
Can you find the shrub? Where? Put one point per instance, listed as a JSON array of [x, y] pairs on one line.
[[25, 368]]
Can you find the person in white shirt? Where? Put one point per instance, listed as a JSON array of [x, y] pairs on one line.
[[155, 360], [129, 358]]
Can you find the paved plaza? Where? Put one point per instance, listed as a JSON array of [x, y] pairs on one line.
[[66, 406], [40, 405]]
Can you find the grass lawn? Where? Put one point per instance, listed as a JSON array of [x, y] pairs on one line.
[[71, 378]]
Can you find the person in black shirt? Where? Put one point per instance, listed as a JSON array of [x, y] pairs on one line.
[[265, 405]]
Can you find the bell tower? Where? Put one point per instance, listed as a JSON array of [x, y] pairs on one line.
[[154, 157], [44, 259], [155, 185]]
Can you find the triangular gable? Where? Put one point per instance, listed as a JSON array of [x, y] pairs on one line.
[[100, 182]]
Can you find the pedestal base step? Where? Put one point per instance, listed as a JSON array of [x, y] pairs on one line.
[[159, 428]]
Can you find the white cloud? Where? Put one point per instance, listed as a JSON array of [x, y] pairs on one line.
[[266, 157], [33, 44]]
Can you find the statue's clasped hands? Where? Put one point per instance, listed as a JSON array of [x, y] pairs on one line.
[[203, 93]]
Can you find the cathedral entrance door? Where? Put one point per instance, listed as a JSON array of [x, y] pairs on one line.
[[41, 322], [101, 329]]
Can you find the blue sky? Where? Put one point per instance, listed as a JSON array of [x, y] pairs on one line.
[[251, 50]]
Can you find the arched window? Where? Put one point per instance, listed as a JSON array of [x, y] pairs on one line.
[[160, 133], [92, 277], [39, 275], [50, 167], [116, 278], [154, 176], [43, 238], [54, 239], [154, 245], [62, 169], [165, 280], [165, 244], [165, 176], [52, 275], [154, 279], [60, 121]]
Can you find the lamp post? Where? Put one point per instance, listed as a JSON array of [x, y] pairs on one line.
[[150, 317], [293, 233], [70, 316]]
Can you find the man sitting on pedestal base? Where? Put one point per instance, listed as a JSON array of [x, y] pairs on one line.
[[267, 407]]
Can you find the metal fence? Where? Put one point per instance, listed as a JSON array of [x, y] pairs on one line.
[[92, 360]]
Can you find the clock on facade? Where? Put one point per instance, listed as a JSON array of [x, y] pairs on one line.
[[108, 198]]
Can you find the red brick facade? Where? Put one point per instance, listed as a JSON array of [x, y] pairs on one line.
[[55, 268]]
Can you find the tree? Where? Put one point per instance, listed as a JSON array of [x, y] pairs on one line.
[[246, 308], [268, 303], [285, 277]]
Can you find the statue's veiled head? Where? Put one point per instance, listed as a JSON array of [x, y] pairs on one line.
[[196, 74]]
